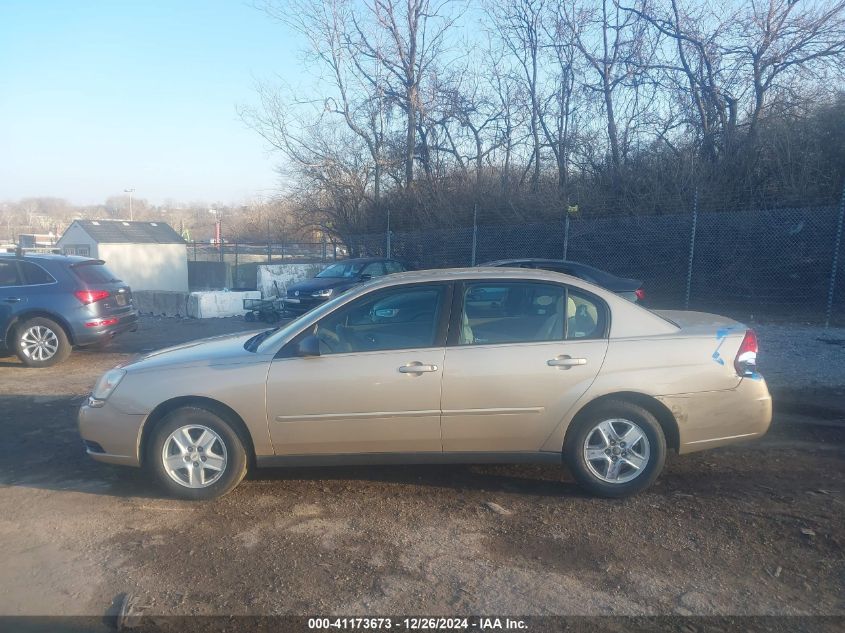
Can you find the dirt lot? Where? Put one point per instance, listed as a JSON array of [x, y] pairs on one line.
[[753, 529]]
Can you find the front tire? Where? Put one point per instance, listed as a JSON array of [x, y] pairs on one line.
[[41, 342], [617, 450], [196, 454]]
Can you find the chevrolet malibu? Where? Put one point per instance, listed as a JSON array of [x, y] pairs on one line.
[[478, 365]]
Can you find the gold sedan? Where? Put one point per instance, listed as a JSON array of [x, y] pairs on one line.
[[476, 365]]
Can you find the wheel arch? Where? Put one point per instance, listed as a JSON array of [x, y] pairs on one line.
[[31, 314], [214, 406], [651, 404]]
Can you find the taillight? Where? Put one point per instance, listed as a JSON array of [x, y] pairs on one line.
[[640, 292], [745, 362], [90, 296]]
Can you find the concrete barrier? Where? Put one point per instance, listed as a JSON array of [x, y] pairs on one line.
[[161, 302], [213, 304], [284, 275]]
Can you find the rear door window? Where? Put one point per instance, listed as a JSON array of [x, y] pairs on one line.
[[34, 275], [586, 318], [512, 312], [376, 269], [94, 273]]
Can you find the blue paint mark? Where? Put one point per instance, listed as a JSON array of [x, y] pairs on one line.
[[721, 333]]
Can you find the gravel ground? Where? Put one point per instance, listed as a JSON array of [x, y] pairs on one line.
[[802, 356], [752, 529]]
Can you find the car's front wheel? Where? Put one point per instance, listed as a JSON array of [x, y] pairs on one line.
[[41, 342], [616, 450], [196, 454]]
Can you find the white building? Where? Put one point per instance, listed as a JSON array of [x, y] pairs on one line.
[[146, 255]]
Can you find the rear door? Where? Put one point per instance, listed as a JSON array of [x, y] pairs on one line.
[[521, 354]]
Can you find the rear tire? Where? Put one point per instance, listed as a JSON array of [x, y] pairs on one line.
[[41, 342], [195, 454], [617, 450]]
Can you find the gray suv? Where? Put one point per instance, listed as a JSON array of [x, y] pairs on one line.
[[50, 303]]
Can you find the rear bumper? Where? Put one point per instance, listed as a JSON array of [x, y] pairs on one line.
[[718, 418], [83, 335]]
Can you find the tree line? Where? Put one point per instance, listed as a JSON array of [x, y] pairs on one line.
[[433, 112]]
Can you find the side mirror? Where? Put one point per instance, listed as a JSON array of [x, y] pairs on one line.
[[365, 276], [308, 346]]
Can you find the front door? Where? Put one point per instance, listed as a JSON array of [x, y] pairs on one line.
[[524, 353], [375, 387]]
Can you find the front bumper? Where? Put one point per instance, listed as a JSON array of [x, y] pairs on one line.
[[110, 435], [716, 418], [301, 305]]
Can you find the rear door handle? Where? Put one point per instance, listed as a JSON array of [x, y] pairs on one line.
[[566, 362], [12, 299], [417, 368]]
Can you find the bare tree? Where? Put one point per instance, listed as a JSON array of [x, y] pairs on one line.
[[406, 38]]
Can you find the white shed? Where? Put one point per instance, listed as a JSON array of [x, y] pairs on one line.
[[146, 255]]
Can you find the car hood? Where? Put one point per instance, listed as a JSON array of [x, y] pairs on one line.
[[317, 283], [217, 350]]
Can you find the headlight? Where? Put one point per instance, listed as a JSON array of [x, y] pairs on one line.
[[323, 294], [107, 383]]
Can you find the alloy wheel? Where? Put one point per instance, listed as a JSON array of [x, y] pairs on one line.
[[616, 451], [39, 343], [194, 456]]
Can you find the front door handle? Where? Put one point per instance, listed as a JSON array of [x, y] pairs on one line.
[[565, 362], [417, 368], [12, 299]]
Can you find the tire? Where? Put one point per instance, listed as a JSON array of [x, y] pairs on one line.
[[600, 434], [41, 342], [198, 479], [249, 317]]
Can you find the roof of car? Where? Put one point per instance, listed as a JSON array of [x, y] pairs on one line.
[[536, 260], [125, 232], [451, 274], [69, 259]]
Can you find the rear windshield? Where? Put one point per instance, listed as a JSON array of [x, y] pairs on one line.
[[94, 273]]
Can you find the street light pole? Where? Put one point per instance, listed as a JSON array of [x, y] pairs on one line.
[[130, 192]]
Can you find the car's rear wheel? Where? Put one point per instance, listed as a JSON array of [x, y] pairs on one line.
[[41, 342], [616, 450], [196, 454]]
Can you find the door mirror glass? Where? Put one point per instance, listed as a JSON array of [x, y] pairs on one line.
[[308, 346]]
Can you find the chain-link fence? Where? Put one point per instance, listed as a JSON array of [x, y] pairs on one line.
[[243, 257], [784, 263]]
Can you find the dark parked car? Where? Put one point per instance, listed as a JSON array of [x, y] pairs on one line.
[[50, 303], [337, 278], [631, 289]]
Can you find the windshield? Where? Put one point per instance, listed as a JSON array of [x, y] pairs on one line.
[[341, 270]]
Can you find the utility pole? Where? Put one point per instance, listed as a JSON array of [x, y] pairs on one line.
[[130, 192]]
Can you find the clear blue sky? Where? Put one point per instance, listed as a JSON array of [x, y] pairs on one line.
[[98, 96]]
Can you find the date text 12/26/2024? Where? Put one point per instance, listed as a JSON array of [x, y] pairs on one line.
[[418, 623]]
